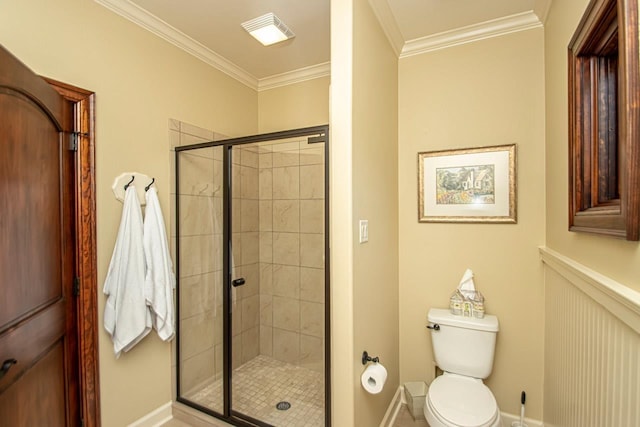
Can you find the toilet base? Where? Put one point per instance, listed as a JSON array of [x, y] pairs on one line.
[[436, 422], [435, 419]]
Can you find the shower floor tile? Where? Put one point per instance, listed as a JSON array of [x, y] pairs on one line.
[[261, 383]]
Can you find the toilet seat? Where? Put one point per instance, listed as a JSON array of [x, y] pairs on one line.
[[461, 401]]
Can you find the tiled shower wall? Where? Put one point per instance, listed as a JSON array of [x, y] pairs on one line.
[[278, 241], [291, 192], [245, 226]]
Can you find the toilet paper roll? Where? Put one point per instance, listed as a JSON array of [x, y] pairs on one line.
[[373, 378]]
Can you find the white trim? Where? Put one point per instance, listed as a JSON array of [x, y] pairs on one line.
[[156, 417], [507, 419], [394, 407], [497, 27], [388, 23], [494, 28], [160, 28], [296, 76], [622, 301]]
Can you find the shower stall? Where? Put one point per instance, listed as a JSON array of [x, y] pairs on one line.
[[251, 245]]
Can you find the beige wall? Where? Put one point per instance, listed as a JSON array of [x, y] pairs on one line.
[[341, 226], [363, 185], [294, 106], [615, 258], [140, 82], [489, 92], [375, 198]]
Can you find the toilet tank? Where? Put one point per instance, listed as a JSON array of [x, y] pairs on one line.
[[463, 345]]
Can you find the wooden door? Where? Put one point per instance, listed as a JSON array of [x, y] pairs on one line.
[[37, 253]]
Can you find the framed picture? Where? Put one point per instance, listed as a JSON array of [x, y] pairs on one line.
[[468, 185]]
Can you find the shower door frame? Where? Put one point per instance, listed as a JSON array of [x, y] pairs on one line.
[[320, 134]]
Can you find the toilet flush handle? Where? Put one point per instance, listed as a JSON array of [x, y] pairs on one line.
[[435, 327]]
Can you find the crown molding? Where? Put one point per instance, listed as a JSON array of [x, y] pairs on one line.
[[296, 76], [541, 9], [494, 28], [514, 23], [388, 23], [160, 28]]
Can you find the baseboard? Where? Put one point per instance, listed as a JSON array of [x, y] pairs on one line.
[[394, 407], [156, 417], [507, 419]]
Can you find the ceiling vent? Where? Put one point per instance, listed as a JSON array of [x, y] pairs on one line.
[[268, 29]]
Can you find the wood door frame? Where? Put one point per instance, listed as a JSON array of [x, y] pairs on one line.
[[85, 212]]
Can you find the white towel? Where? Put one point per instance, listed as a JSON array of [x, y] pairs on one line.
[[126, 316], [159, 281]]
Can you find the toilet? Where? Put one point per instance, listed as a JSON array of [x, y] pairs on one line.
[[463, 348]]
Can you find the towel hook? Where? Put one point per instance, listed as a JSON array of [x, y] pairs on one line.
[[150, 184], [129, 183]]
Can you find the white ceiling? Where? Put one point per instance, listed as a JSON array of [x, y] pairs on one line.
[[210, 30]]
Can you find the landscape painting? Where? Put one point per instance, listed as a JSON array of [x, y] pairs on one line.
[[465, 185], [468, 185]]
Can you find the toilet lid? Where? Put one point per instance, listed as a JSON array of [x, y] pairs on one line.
[[462, 401]]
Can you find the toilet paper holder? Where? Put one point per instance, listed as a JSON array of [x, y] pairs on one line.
[[366, 358]]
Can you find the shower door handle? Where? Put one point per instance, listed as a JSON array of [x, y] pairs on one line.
[[238, 282]]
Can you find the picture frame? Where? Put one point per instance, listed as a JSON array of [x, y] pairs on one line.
[[476, 185]]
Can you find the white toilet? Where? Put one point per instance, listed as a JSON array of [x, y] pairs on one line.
[[463, 348]]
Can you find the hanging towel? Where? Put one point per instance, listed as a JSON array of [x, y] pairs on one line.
[[126, 316], [159, 281]]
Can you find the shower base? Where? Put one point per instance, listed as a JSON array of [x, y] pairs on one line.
[[261, 383]]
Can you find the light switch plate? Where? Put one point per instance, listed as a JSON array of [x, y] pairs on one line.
[[364, 231]]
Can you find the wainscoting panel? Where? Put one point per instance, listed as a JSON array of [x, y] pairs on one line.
[[592, 347]]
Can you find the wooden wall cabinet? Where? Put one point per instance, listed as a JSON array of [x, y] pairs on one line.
[[604, 121]]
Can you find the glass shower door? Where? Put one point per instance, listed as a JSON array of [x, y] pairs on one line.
[[245, 275], [278, 280], [199, 227], [250, 245]]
